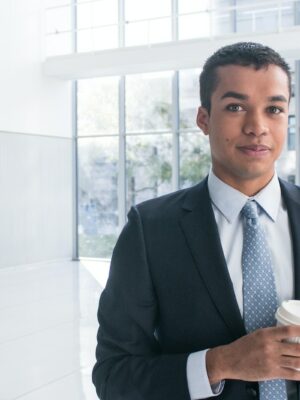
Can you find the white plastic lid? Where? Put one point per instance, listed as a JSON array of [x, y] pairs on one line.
[[289, 312]]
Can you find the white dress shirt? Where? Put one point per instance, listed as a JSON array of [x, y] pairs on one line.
[[227, 204]]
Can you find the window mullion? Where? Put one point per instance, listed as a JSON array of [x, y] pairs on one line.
[[297, 128], [122, 156], [121, 23], [175, 130], [174, 20]]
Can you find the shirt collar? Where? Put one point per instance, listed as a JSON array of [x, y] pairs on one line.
[[230, 201]]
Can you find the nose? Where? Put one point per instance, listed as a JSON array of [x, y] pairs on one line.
[[255, 124]]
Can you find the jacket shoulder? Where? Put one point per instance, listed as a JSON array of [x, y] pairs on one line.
[[290, 190]]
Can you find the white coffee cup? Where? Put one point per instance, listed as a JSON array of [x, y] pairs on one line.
[[289, 314]]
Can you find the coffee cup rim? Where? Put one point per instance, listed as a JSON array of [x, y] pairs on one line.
[[283, 314]]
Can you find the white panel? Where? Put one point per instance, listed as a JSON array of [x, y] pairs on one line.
[[36, 198]]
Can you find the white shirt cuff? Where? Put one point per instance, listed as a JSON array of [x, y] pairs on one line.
[[198, 383]]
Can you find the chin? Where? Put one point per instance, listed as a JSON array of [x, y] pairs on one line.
[[256, 174]]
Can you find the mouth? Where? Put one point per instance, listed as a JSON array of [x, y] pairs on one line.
[[255, 150]]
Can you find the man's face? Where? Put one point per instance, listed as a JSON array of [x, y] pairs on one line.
[[247, 124]]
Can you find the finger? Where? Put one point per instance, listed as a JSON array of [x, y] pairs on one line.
[[285, 332], [289, 349], [290, 362], [289, 374]]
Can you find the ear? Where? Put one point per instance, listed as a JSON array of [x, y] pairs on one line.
[[203, 119]]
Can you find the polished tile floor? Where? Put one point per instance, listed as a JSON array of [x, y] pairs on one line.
[[48, 330]]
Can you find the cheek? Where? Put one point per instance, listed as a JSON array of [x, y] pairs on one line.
[[280, 138], [226, 140], [222, 142], [221, 139]]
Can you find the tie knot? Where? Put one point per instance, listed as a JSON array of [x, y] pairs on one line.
[[249, 210]]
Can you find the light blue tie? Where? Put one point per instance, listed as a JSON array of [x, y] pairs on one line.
[[259, 291]]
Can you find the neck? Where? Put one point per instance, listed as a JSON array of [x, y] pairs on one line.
[[250, 187]]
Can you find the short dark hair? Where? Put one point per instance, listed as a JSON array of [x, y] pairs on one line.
[[242, 53]]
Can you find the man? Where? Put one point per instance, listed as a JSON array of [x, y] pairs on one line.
[[196, 276]]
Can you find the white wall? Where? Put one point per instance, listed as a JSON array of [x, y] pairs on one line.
[[35, 143]]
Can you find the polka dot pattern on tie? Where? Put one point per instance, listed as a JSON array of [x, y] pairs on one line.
[[259, 290]]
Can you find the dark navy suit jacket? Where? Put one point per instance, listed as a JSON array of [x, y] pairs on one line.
[[169, 294]]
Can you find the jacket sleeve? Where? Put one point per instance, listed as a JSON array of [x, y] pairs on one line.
[[130, 362]]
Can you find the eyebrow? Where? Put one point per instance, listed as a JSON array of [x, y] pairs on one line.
[[235, 95], [241, 96], [277, 98]]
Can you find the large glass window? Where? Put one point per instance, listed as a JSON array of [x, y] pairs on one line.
[[97, 196], [194, 19], [100, 24], [147, 21], [286, 165], [194, 147], [188, 97], [98, 155], [148, 167], [292, 133], [97, 25], [98, 106], [148, 102], [148, 156], [194, 158], [59, 25]]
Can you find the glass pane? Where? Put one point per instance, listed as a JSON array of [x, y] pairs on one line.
[[84, 16], [54, 3], [245, 22], [59, 19], [149, 102], [254, 3], [292, 133], [266, 20], [258, 18], [194, 158], [145, 9], [290, 14], [97, 196], [189, 6], [84, 40], [188, 97], [97, 39], [194, 26], [286, 165], [147, 32], [224, 3], [98, 106], [296, 7], [149, 167], [58, 44], [223, 22], [94, 14]]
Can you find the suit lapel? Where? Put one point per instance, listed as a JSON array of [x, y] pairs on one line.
[[291, 195], [201, 232]]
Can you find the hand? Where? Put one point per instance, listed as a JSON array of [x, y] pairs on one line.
[[258, 356]]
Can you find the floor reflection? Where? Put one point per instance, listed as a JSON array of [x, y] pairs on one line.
[[49, 327]]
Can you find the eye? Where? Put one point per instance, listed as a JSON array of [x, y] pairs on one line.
[[275, 110], [234, 107]]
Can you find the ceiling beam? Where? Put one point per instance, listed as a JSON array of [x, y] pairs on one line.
[[161, 57]]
